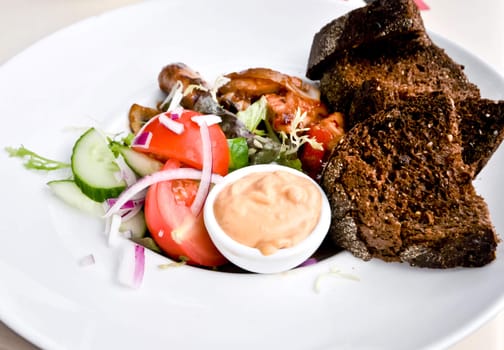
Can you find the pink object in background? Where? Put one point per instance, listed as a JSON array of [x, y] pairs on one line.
[[421, 5]]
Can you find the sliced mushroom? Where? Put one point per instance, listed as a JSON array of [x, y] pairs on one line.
[[139, 115]]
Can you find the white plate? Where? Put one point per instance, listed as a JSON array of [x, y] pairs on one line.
[[89, 74]]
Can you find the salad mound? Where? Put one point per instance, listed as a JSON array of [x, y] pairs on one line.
[[150, 185]]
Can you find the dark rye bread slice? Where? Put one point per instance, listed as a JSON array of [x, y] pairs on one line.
[[481, 120], [382, 19], [399, 190], [370, 78], [482, 130]]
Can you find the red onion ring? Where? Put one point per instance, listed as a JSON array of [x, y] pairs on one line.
[[206, 172], [139, 265], [163, 175]]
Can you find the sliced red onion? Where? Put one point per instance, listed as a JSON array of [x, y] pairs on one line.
[[176, 113], [177, 96], [108, 222], [130, 213], [174, 97], [132, 266], [206, 172], [112, 229], [140, 195], [125, 172], [208, 119], [163, 175], [139, 265], [128, 209], [308, 262], [143, 139], [87, 260], [170, 124], [128, 205]]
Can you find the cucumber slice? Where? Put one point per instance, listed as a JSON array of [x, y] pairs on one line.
[[94, 167], [136, 225], [140, 163], [70, 193]]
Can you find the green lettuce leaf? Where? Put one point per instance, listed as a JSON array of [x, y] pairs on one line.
[[254, 114], [238, 151]]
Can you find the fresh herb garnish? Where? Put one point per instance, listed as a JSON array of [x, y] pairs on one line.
[[33, 160], [292, 142]]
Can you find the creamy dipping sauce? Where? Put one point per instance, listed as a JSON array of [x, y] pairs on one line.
[[269, 210]]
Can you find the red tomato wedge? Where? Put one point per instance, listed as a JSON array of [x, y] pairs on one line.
[[178, 232], [186, 147]]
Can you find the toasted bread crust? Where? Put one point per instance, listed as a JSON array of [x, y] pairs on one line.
[[400, 190], [364, 82], [482, 130], [382, 19]]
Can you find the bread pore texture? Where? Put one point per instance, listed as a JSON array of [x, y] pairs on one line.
[[400, 190]]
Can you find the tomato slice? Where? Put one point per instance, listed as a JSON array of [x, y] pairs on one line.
[[187, 146], [176, 230], [313, 159]]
